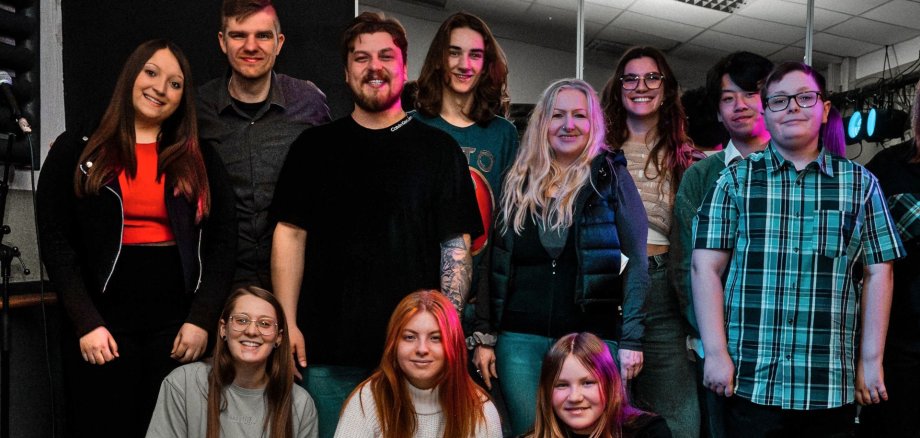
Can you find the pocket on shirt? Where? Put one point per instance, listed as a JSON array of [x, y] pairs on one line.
[[833, 231]]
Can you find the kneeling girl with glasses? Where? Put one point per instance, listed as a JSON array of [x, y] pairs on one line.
[[247, 389]]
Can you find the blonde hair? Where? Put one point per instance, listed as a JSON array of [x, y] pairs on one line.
[[535, 170]]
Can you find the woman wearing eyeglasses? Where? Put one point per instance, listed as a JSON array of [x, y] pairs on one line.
[[247, 390], [646, 122]]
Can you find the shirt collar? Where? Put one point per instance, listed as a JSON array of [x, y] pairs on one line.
[[731, 153], [275, 93], [777, 162]]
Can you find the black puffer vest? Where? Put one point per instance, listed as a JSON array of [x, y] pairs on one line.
[[597, 244]]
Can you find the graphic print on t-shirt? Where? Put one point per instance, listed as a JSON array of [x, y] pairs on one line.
[[486, 201]]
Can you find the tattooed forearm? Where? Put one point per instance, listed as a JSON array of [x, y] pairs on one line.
[[456, 269]]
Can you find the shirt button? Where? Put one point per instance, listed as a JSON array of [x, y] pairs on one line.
[[796, 249], [788, 356], [252, 123], [789, 321]]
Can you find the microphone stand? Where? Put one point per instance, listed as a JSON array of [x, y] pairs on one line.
[[7, 253]]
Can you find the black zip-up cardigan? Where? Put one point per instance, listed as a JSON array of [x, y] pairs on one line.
[[81, 237], [612, 194]]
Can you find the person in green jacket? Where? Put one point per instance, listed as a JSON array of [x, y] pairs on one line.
[[733, 85]]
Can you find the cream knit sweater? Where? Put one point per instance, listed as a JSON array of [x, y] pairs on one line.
[[359, 419]]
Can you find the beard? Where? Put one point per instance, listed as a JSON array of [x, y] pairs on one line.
[[376, 102]]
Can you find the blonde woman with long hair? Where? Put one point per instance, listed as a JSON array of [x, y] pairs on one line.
[[569, 252]]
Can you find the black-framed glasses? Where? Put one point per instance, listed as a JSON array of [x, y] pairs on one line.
[[266, 326], [805, 99], [652, 81]]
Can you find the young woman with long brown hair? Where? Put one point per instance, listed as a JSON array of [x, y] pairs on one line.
[[138, 234], [421, 388], [581, 394], [250, 377], [647, 122]]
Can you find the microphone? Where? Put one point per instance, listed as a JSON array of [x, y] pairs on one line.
[[6, 86]]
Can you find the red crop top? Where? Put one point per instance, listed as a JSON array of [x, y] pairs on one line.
[[144, 201]]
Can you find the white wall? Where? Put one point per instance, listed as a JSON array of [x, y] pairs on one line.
[[870, 65]]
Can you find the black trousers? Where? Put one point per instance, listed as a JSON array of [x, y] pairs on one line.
[[750, 420], [143, 308]]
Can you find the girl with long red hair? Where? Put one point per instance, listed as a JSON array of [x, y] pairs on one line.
[[421, 388]]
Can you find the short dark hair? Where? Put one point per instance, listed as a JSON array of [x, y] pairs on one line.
[[242, 9], [787, 67], [373, 22], [746, 69]]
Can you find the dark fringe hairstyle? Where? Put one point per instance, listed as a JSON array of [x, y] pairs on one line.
[[243, 9], [746, 69]]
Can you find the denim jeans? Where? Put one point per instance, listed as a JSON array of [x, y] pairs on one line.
[[518, 360], [667, 383], [330, 385]]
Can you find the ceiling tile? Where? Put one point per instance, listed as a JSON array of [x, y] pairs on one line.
[[798, 54], [553, 16], [592, 29], [562, 4], [634, 38], [656, 26], [790, 13], [680, 12], [839, 46], [620, 4], [872, 31], [505, 8], [852, 7], [693, 51], [595, 13], [900, 12], [731, 43], [759, 29]]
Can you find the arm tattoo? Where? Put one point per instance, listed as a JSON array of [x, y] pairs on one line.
[[456, 270]]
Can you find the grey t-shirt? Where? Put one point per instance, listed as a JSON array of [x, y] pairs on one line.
[[182, 408]]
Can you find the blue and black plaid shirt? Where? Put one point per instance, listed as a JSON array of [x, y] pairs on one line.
[[791, 304]]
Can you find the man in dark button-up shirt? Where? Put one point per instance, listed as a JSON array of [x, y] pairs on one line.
[[251, 116]]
